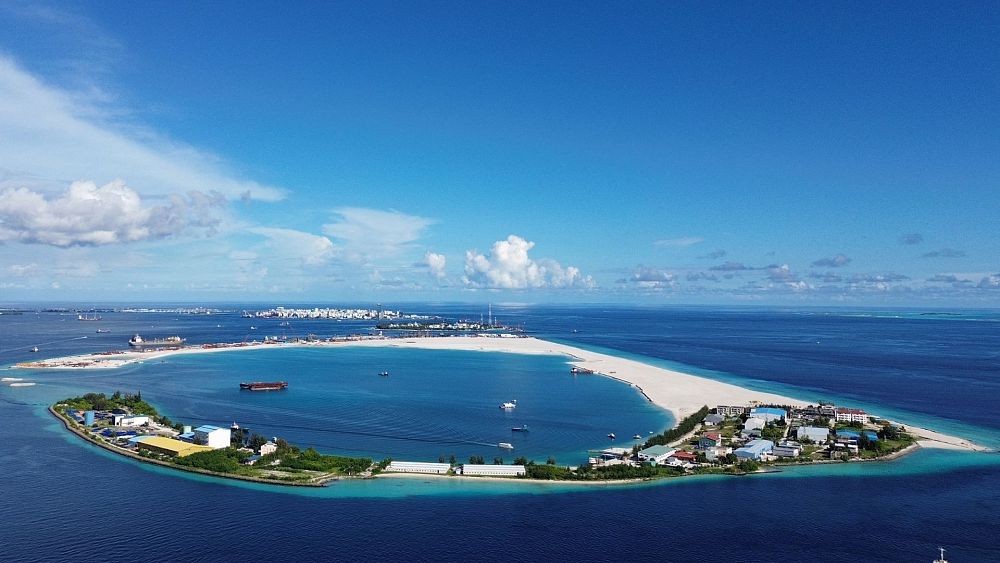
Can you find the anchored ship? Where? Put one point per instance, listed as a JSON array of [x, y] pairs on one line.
[[139, 342], [265, 385]]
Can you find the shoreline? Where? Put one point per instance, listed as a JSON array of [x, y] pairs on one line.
[[679, 393]]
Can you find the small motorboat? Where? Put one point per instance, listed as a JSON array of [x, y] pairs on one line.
[[508, 405], [505, 446], [34, 348], [384, 373], [522, 428], [611, 435], [637, 437]]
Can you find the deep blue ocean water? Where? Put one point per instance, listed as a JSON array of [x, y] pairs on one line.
[[64, 499]]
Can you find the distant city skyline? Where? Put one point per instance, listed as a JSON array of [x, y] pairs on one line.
[[779, 154]]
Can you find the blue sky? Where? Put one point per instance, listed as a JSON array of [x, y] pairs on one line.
[[684, 153]]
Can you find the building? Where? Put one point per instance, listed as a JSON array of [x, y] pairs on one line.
[[754, 449], [657, 455], [134, 420], [268, 448], [712, 454], [814, 434], [851, 415], [170, 447], [768, 414], [418, 467], [787, 449], [212, 436], [493, 470], [852, 435], [730, 410], [752, 427], [714, 419], [710, 440]]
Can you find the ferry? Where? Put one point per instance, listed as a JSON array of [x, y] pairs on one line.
[[508, 405], [505, 446], [522, 428], [138, 341], [265, 385]]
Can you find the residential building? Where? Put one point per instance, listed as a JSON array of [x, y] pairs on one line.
[[730, 410], [851, 415], [710, 440], [754, 449], [212, 436], [268, 448]]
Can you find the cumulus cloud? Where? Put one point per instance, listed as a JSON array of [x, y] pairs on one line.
[[944, 253], [943, 278], [88, 215], [366, 233], [827, 277], [877, 278], [309, 249], [702, 276], [51, 137], [22, 270], [990, 282], [508, 266], [681, 242], [714, 255], [647, 277], [911, 238], [731, 267], [781, 273], [833, 262], [435, 264]]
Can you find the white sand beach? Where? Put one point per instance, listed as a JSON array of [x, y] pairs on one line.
[[679, 393]]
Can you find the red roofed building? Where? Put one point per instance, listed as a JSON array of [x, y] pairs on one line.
[[684, 456], [710, 440]]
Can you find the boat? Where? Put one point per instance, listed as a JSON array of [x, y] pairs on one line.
[[34, 348], [505, 445], [94, 317], [138, 342], [576, 370], [942, 560], [637, 437], [522, 428], [611, 435], [284, 324], [265, 385], [384, 373], [103, 330], [508, 405]]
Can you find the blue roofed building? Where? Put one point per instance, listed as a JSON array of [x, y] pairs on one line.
[[854, 435], [754, 449]]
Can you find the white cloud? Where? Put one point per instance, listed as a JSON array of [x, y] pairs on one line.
[[52, 137], [22, 270], [366, 233], [682, 242], [309, 249], [88, 215], [651, 278], [509, 267], [436, 264]]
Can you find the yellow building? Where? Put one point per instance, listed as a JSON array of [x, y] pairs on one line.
[[171, 447]]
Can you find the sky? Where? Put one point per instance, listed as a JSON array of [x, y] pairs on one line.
[[652, 153]]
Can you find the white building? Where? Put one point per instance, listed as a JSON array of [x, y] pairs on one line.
[[657, 455], [268, 448], [212, 436], [134, 420], [712, 454], [493, 470], [851, 415], [418, 467], [814, 433], [725, 410], [787, 449], [752, 427]]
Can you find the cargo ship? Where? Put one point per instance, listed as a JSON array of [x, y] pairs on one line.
[[138, 341], [265, 385]]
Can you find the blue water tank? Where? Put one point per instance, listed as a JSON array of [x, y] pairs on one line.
[[88, 417]]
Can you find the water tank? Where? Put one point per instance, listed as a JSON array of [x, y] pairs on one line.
[[187, 429], [88, 417]]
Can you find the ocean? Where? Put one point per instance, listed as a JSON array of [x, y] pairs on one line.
[[62, 498]]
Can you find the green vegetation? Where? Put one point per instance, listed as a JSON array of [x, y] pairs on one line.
[[290, 457], [225, 460], [685, 426], [129, 402]]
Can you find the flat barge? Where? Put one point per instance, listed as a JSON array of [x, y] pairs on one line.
[[265, 385]]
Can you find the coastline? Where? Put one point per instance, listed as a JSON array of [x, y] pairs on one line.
[[679, 393]]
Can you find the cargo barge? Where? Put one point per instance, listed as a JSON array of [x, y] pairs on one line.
[[265, 385]]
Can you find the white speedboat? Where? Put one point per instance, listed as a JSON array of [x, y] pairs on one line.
[[509, 405], [505, 445]]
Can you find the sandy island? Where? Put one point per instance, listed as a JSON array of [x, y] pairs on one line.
[[679, 393]]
